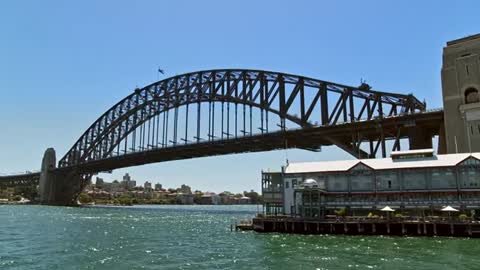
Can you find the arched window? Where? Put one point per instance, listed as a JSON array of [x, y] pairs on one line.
[[471, 96]]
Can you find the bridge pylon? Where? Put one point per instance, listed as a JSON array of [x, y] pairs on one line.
[[57, 187]]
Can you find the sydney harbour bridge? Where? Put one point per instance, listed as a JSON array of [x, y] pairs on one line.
[[218, 112]]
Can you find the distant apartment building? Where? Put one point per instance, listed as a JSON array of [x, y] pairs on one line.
[[185, 198], [99, 182], [227, 198], [209, 198], [115, 186], [147, 186], [158, 186], [181, 198], [244, 200], [185, 189], [408, 180], [127, 182]]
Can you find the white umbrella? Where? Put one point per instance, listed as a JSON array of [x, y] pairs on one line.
[[387, 209], [449, 209]]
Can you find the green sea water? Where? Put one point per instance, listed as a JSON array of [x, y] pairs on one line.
[[199, 237]]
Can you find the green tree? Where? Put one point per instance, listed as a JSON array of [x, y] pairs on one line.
[[84, 198], [254, 197], [341, 212], [29, 192], [197, 196]]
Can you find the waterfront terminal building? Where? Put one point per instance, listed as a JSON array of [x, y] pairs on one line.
[[408, 180]]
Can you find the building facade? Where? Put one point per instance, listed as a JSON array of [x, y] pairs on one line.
[[147, 186], [415, 179], [272, 193], [128, 183], [461, 96]]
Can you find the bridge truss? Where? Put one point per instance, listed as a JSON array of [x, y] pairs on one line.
[[218, 107]]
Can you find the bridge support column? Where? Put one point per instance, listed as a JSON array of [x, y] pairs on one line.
[[57, 188], [419, 138], [47, 176]]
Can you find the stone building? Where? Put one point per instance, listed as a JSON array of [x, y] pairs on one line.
[[461, 96]]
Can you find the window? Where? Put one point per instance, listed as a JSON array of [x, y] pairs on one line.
[[287, 184], [469, 173], [471, 96], [414, 179], [337, 182], [361, 178], [294, 183], [387, 180]]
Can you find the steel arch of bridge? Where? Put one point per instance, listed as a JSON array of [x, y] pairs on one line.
[[133, 124]]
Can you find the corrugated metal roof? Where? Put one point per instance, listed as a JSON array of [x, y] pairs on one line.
[[449, 160]]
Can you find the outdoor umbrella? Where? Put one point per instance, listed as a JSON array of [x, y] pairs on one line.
[[388, 210], [449, 209]]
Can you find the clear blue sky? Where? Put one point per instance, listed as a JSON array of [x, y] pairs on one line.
[[63, 63]]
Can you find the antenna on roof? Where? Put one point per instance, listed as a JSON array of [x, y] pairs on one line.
[[286, 151]]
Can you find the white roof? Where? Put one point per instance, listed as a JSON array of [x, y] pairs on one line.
[[416, 151], [449, 160]]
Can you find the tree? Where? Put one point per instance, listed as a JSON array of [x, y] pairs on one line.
[[254, 197], [124, 200], [197, 197], [84, 198], [29, 192], [341, 212]]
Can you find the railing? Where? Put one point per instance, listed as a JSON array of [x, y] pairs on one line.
[[416, 202], [19, 173], [12, 174], [273, 189]]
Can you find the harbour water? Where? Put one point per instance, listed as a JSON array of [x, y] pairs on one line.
[[199, 237]]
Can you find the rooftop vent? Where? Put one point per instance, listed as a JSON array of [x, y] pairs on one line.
[[410, 154]]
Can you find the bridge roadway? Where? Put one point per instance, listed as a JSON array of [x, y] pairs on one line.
[[393, 128], [25, 179]]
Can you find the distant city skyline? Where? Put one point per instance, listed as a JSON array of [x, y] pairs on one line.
[[64, 64]]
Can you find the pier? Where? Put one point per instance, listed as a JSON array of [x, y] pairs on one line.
[[347, 226]]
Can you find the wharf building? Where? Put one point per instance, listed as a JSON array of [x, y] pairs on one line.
[[408, 180]]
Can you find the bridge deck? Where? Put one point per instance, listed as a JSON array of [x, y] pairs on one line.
[[306, 138], [20, 179], [393, 128]]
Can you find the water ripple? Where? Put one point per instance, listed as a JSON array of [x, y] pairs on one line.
[[198, 237]]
